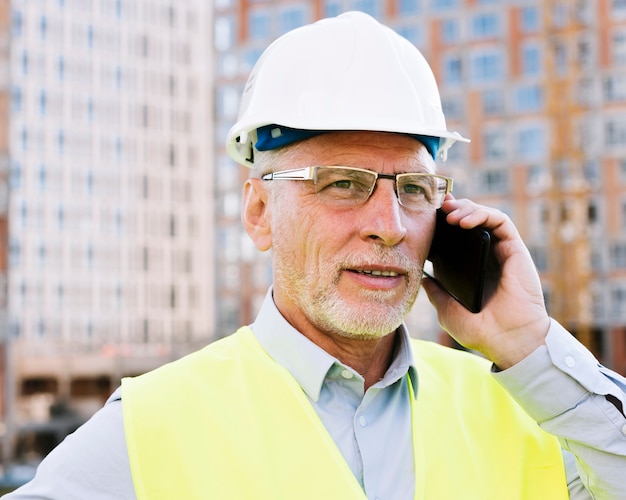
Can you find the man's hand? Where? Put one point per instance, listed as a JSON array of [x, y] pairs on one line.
[[513, 321]]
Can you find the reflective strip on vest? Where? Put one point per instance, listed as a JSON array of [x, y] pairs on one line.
[[227, 422]]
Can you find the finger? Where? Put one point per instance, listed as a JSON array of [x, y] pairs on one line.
[[468, 214]]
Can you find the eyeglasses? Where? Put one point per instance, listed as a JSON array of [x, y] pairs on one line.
[[350, 186]]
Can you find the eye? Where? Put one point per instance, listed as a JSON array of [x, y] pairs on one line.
[[414, 189], [342, 184]]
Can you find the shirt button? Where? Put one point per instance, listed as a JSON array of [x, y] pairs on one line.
[[624, 429], [347, 374], [362, 421], [570, 361]]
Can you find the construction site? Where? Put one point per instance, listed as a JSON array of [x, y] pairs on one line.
[[539, 86]]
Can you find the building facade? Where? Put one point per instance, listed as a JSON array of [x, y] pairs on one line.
[[108, 194]]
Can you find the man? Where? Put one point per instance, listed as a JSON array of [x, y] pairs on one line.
[[325, 395]]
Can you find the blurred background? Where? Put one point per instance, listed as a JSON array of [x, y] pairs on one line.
[[120, 242]]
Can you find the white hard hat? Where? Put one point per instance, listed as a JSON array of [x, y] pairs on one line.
[[344, 73]]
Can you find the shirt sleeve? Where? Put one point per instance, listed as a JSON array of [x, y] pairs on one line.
[[89, 463], [571, 395]]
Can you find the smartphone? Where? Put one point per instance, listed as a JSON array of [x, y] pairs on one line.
[[460, 258]]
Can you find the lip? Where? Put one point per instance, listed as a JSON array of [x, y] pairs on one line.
[[377, 278]]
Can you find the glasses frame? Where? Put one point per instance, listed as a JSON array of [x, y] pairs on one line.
[[309, 174]]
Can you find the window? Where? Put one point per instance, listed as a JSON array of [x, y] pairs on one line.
[[494, 181], [531, 60], [89, 182], [224, 33], [61, 68], [172, 225], [618, 9], [43, 101], [172, 155], [259, 25], [61, 142], [494, 144], [452, 107], [43, 27], [452, 70], [450, 31], [529, 19], [227, 102], [371, 7], [291, 18], [529, 98], [615, 132], [485, 25], [493, 102], [15, 252], [486, 67], [332, 8], [538, 178], [592, 171], [250, 57], [412, 33], [584, 52], [60, 217], [16, 175], [615, 88], [560, 57], [618, 301], [17, 23], [118, 77], [408, 6], [444, 4], [618, 256], [41, 328], [41, 254], [42, 177], [16, 99], [618, 47], [90, 36], [531, 143], [172, 297]]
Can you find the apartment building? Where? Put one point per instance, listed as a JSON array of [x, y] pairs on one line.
[[108, 195], [539, 87]]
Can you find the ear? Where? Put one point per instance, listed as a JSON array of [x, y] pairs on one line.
[[255, 214]]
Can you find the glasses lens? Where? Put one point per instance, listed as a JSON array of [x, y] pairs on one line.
[[344, 184], [421, 191]]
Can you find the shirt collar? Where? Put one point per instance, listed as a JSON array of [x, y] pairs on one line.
[[308, 363]]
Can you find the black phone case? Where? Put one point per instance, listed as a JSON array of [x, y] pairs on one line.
[[460, 258]]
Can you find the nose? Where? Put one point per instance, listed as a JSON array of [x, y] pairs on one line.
[[382, 215]]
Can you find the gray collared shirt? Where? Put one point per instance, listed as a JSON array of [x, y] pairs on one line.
[[560, 385], [364, 425]]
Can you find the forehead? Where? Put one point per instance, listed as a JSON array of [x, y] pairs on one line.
[[378, 151]]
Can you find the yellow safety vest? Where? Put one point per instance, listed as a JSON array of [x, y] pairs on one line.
[[228, 422]]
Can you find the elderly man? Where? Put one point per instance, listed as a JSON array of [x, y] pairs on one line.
[[325, 395]]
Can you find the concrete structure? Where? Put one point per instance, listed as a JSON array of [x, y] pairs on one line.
[[109, 199]]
